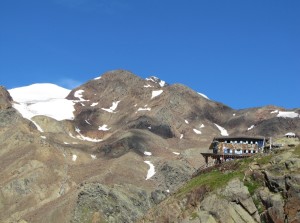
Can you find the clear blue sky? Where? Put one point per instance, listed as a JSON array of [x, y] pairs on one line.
[[242, 53]]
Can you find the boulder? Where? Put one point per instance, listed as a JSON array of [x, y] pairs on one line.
[[225, 211], [275, 183], [231, 204], [292, 163], [235, 191]]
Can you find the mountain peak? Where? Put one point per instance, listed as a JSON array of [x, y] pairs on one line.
[[157, 81], [119, 74]]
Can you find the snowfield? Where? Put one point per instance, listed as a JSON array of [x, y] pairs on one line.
[[38, 92], [43, 99]]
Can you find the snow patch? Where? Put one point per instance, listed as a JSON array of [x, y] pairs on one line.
[[66, 143], [202, 126], [74, 157], [288, 114], [181, 136], [251, 127], [97, 78], [93, 157], [147, 153], [233, 114], [222, 130], [276, 111], [148, 85], [87, 122], [197, 131], [203, 95], [103, 128], [84, 138], [43, 137], [156, 93], [151, 170], [176, 153], [143, 109], [186, 121], [94, 104], [78, 94], [70, 134], [162, 83], [37, 126], [112, 108]]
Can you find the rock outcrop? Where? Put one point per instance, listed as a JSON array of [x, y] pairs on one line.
[[231, 204], [5, 98]]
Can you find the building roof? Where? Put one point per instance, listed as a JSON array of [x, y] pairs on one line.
[[239, 137], [290, 134]]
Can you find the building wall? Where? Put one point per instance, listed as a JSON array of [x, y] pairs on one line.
[[237, 148]]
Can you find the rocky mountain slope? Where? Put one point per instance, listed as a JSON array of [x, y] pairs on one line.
[[112, 148], [264, 188]]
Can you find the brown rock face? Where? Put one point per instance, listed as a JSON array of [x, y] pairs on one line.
[[292, 206], [5, 98]]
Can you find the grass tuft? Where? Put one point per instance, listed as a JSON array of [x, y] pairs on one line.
[[252, 186], [212, 180], [297, 150]]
